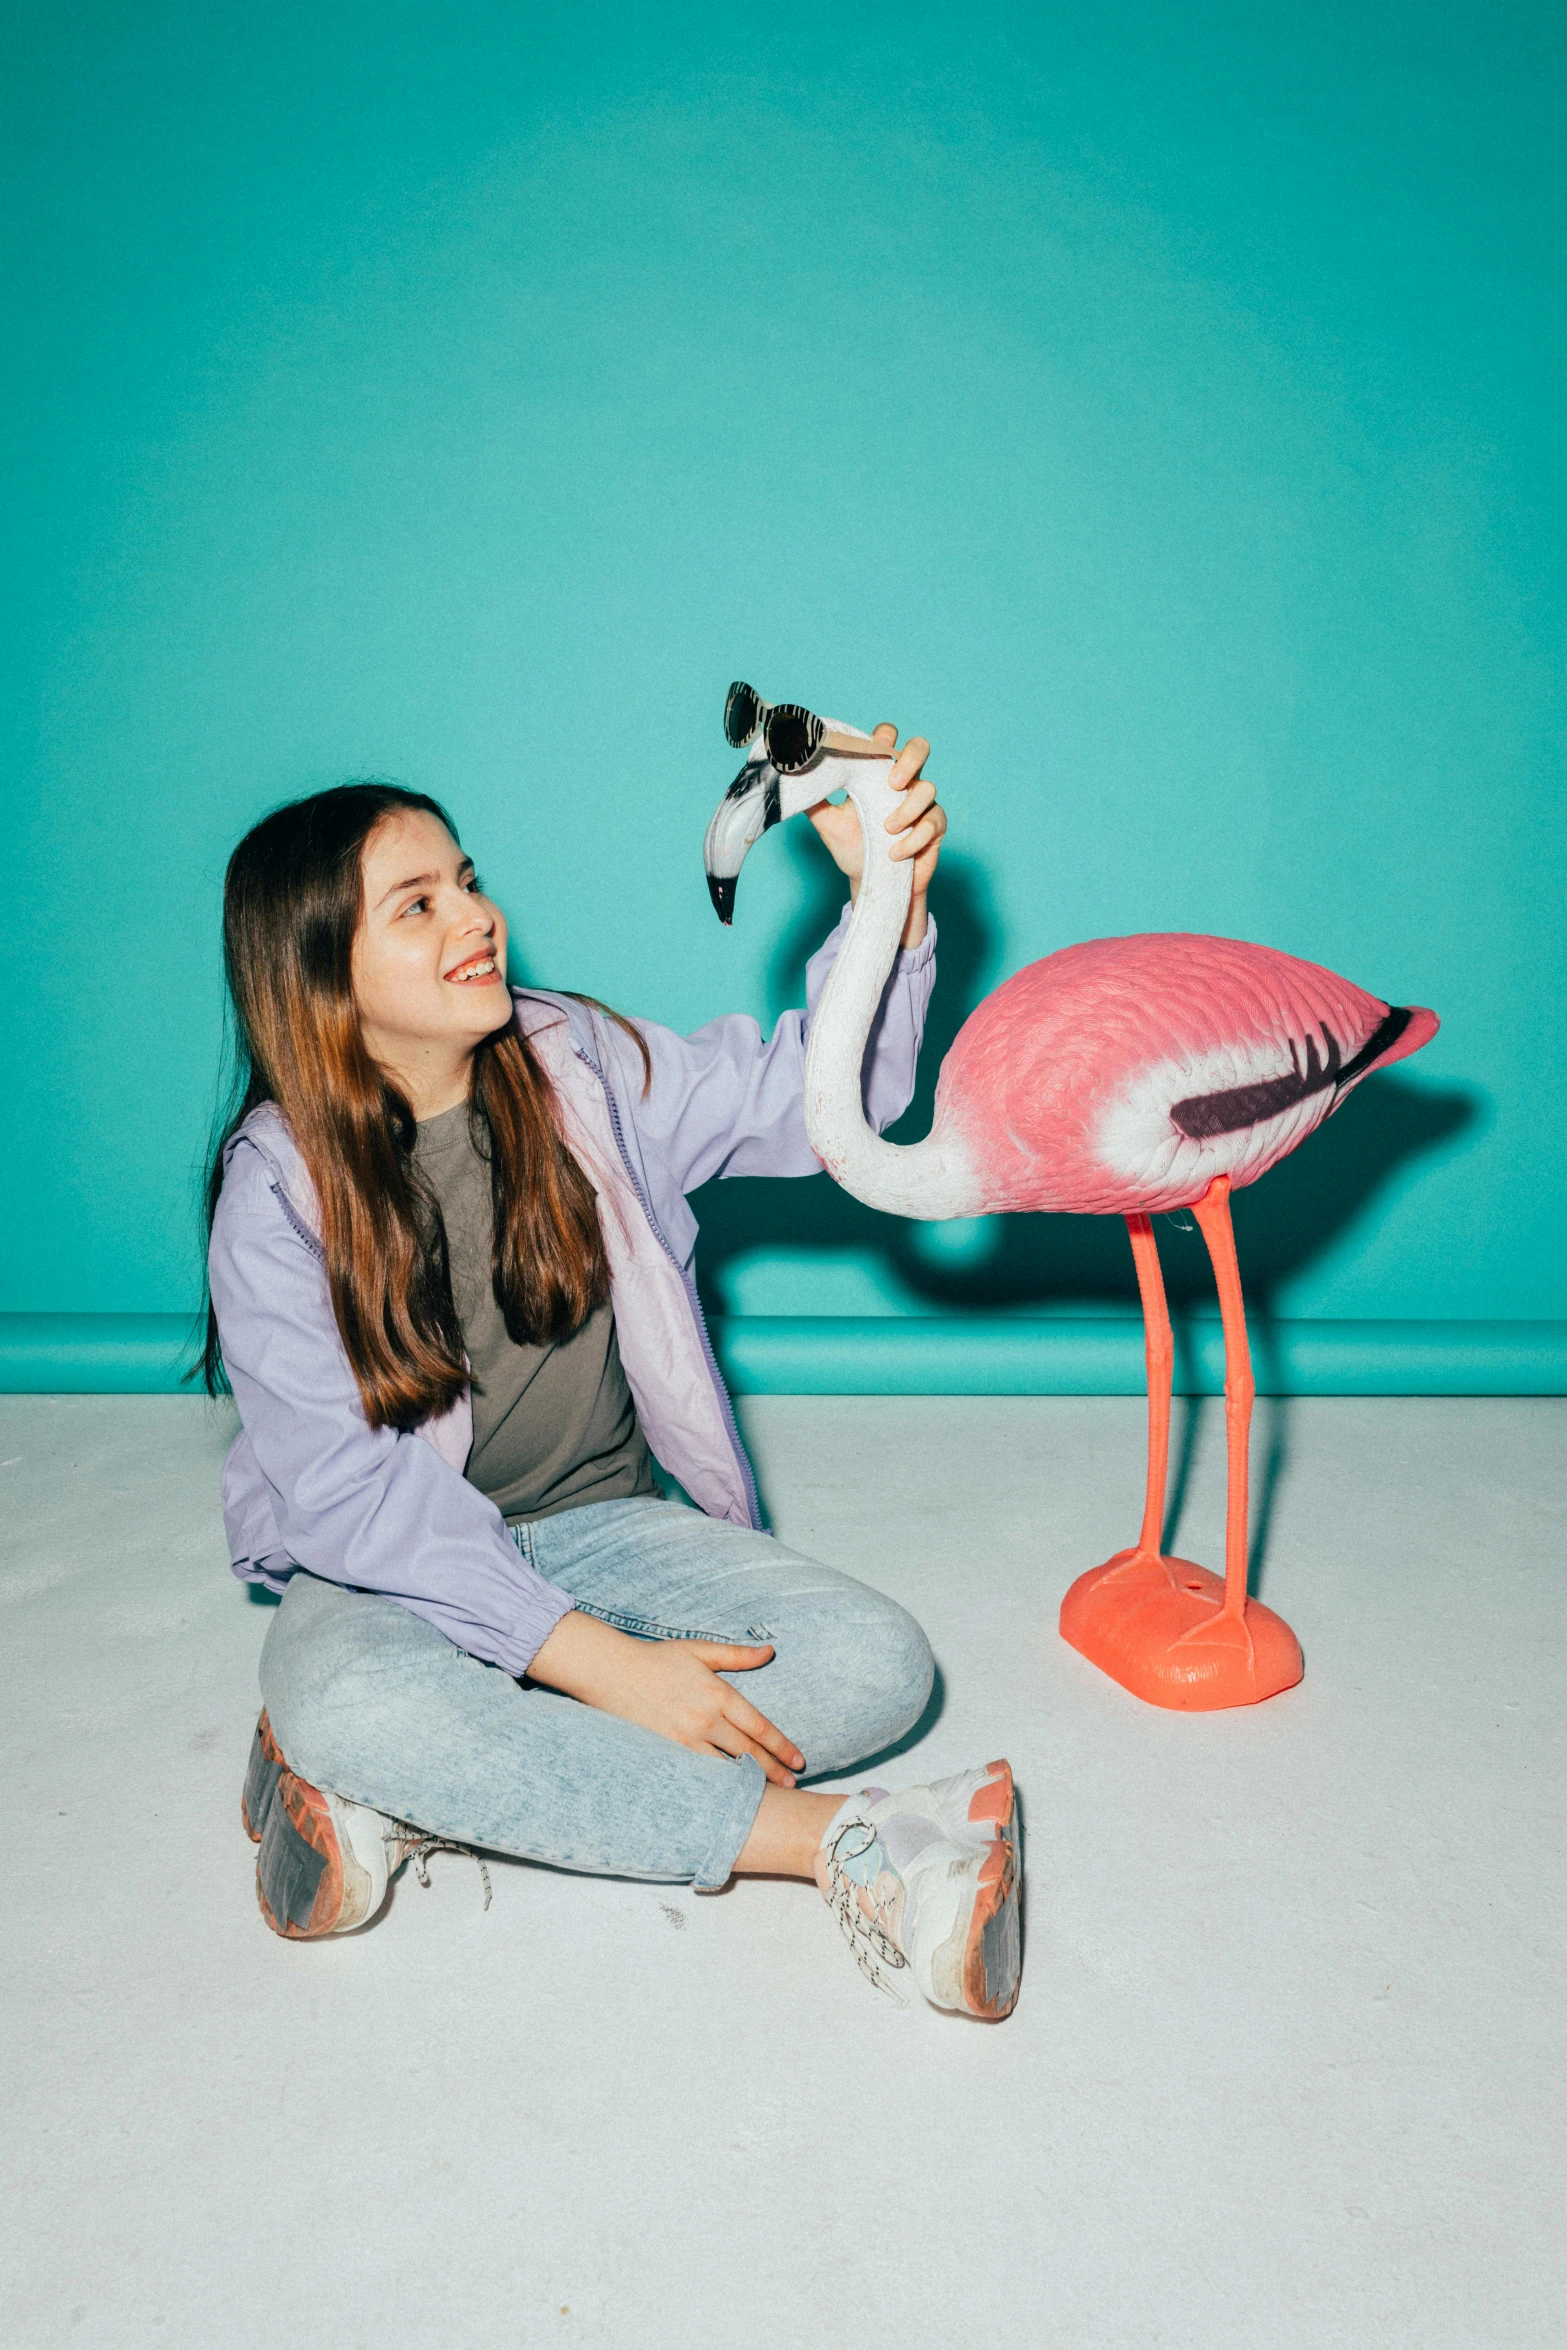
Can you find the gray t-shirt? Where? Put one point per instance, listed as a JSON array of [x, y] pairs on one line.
[[553, 1426]]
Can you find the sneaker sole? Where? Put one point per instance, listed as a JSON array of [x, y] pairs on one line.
[[262, 1772], [993, 1957], [307, 1884]]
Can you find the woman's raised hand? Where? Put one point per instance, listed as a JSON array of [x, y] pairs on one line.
[[918, 821], [671, 1686]]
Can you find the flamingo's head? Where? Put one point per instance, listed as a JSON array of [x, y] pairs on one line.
[[795, 761], [758, 798]]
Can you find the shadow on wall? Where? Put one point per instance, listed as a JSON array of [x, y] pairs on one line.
[[1281, 1226]]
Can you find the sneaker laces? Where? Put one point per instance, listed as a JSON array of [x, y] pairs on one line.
[[873, 1947], [405, 1843]]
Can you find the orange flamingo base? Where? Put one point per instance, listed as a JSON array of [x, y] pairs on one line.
[[1169, 1631], [1159, 1627]]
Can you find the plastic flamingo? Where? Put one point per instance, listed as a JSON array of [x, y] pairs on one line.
[[1126, 1077]]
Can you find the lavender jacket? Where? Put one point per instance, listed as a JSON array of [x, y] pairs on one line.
[[308, 1483]]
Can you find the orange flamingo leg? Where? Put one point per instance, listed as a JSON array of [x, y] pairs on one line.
[[1165, 1629], [1159, 1352]]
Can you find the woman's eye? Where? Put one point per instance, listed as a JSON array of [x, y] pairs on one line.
[[414, 906], [475, 884]]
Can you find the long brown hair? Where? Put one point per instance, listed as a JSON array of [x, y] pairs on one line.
[[293, 899]]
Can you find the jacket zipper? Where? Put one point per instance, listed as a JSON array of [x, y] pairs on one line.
[[300, 1226], [687, 1282]]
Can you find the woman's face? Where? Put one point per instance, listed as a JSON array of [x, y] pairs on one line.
[[429, 959]]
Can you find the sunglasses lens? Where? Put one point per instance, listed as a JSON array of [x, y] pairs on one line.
[[794, 736], [742, 714]]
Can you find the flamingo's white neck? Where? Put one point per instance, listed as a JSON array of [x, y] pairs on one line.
[[929, 1179]]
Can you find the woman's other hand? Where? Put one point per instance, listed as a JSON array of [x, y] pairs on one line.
[[671, 1686], [918, 822]]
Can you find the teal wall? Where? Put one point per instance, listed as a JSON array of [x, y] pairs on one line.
[[1159, 407]]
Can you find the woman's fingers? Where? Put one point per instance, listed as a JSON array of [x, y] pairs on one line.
[[727, 1658], [756, 1727], [909, 760], [779, 1757], [917, 823], [920, 836], [732, 1746], [920, 795], [906, 766]]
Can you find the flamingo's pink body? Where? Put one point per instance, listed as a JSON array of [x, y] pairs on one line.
[[1121, 1076]]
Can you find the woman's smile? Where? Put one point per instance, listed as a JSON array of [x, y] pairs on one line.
[[478, 971]]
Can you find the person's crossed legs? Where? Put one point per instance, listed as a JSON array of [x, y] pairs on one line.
[[371, 1701], [389, 1730]]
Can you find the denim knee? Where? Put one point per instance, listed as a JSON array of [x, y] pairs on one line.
[[324, 1673], [895, 1668]]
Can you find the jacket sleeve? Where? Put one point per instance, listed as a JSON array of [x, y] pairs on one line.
[[726, 1100], [367, 1507]]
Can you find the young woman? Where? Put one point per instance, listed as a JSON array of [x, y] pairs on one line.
[[451, 1290]]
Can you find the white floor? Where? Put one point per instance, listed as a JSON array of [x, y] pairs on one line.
[[1287, 2066]]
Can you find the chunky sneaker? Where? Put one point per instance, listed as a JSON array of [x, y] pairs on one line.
[[262, 1772], [325, 1863], [929, 1880]]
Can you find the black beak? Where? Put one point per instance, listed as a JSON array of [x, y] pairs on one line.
[[753, 794]]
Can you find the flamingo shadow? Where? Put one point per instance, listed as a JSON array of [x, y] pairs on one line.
[[1083, 1263]]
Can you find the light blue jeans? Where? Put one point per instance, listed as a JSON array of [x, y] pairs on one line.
[[374, 1703]]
